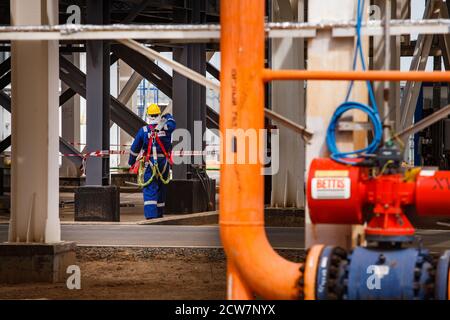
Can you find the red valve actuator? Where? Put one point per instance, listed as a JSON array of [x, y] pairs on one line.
[[337, 193], [433, 193]]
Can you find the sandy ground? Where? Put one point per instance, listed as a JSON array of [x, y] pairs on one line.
[[130, 274], [141, 273]]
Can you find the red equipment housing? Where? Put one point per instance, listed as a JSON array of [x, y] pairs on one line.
[[338, 194]]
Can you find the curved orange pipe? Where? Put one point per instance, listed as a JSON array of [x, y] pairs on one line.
[[251, 258], [374, 75], [237, 289]]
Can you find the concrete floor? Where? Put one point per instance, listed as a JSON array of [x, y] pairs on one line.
[[162, 236], [106, 234]]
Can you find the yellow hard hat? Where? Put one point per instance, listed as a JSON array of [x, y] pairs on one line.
[[153, 109]]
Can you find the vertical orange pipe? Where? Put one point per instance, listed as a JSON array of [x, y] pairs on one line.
[[237, 289], [259, 267]]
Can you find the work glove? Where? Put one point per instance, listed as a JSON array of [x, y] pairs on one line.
[[134, 168]]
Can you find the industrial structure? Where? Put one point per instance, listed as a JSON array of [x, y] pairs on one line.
[[354, 95]]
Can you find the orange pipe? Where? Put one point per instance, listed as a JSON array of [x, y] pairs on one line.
[[244, 239], [448, 288], [236, 287], [422, 76], [310, 275]]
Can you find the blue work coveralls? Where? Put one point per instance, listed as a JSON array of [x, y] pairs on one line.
[[155, 192]]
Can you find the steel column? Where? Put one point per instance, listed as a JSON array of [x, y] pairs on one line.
[[421, 52], [288, 99], [34, 178], [98, 96], [70, 124], [399, 9], [189, 98]]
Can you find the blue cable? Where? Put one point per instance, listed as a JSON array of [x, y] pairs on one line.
[[372, 112]]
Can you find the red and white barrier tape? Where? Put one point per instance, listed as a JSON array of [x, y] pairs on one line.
[[113, 145], [106, 153], [98, 153]]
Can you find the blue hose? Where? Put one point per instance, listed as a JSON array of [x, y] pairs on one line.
[[372, 112]]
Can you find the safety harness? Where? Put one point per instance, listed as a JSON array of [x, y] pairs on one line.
[[145, 161]]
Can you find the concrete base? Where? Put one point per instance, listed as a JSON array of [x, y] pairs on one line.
[[95, 203], [26, 262], [120, 179], [188, 196]]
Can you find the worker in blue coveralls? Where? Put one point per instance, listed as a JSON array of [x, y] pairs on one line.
[[155, 140]]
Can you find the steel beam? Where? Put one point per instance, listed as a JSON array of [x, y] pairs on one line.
[[148, 69], [127, 96], [424, 123], [5, 144], [66, 96], [444, 40], [120, 114], [135, 12], [5, 101], [205, 33], [212, 70], [160, 78], [421, 52], [212, 118], [130, 88], [64, 146], [67, 148], [193, 75], [178, 67], [5, 66]]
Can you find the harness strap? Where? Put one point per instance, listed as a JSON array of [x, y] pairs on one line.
[[153, 135], [168, 157]]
